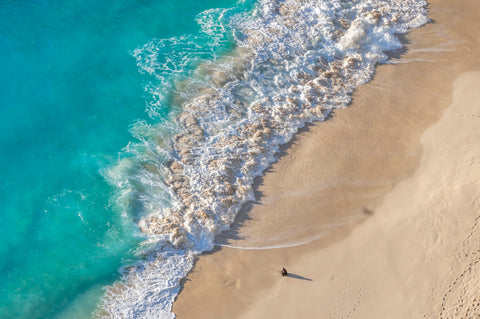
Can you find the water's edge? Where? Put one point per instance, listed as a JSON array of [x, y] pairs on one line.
[[293, 64]]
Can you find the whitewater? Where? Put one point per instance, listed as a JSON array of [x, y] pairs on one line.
[[185, 178]]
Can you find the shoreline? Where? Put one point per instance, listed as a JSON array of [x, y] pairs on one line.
[[227, 281]]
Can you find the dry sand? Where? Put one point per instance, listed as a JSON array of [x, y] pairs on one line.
[[380, 207]]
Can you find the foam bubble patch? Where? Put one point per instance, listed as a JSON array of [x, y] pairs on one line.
[[184, 182]]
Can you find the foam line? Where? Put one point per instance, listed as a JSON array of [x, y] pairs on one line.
[[300, 243]]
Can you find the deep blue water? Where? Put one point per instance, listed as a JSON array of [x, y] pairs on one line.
[[70, 90]]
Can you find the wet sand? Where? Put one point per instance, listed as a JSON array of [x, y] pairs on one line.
[[376, 208]]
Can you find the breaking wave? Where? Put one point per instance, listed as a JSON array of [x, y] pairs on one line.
[[221, 116]]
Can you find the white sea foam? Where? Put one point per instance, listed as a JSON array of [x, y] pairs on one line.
[[184, 182], [287, 245]]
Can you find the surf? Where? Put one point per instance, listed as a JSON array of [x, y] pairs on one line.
[[256, 76]]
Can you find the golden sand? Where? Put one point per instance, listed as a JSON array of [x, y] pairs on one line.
[[385, 196]]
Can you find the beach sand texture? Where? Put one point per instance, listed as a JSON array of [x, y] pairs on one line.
[[380, 203]]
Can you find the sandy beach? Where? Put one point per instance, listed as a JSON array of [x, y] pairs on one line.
[[375, 211]]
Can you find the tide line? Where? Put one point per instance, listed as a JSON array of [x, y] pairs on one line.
[[304, 242]]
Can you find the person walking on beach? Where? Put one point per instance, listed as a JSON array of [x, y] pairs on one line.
[[284, 272]]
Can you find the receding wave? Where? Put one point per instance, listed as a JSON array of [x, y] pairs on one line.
[[293, 62]]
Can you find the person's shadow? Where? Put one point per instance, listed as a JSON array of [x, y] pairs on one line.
[[295, 276]]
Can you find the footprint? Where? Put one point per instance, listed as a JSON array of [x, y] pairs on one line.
[[462, 299], [348, 304]]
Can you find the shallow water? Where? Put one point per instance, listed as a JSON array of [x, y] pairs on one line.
[[70, 90]]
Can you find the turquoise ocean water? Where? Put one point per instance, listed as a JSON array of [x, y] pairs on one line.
[[70, 91]]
